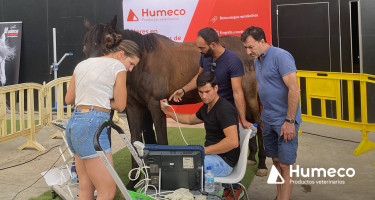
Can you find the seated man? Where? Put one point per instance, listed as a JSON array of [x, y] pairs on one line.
[[221, 124]]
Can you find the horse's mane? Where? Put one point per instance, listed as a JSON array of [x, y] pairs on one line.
[[146, 42], [95, 34]]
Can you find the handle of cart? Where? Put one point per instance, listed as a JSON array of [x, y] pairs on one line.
[[129, 195]]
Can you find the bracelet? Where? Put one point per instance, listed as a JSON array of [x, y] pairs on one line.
[[183, 90]]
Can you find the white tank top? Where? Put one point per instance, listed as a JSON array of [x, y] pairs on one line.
[[94, 81]]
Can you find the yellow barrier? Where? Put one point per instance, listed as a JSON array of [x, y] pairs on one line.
[[329, 86], [17, 117]]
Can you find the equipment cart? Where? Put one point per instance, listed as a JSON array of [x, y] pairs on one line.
[[69, 189]]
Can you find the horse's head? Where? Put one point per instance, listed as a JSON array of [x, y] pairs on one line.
[[93, 42]]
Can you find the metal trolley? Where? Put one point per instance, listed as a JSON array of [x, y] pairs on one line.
[[69, 189]]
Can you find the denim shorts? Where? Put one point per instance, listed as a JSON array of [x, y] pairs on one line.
[[275, 145], [80, 132], [219, 166]]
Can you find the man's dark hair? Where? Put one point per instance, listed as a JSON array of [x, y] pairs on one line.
[[209, 35], [256, 32], [206, 77]]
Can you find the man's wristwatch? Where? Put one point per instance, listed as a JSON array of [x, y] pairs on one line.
[[292, 121]]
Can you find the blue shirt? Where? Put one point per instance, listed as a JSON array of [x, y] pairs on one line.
[[228, 66], [272, 90]]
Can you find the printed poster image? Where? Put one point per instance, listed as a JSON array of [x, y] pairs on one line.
[[10, 50]]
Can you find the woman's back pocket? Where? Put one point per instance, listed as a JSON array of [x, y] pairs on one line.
[[79, 130]]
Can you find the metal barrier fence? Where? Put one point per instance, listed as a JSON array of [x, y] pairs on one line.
[[340, 91], [21, 122]]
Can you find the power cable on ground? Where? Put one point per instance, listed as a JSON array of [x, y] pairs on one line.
[[40, 176], [30, 160], [330, 137]]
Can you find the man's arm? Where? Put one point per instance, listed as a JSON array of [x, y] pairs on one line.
[[190, 119], [177, 95], [288, 129], [228, 143], [239, 100], [291, 82]]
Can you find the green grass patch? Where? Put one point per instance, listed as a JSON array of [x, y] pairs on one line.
[[18, 125], [122, 158]]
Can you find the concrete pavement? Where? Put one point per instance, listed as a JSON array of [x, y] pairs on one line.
[[321, 152], [314, 151]]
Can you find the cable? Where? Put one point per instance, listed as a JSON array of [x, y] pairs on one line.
[[330, 137], [29, 160], [179, 127], [144, 181], [41, 176]]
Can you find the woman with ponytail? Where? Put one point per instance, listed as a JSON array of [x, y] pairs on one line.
[[97, 86]]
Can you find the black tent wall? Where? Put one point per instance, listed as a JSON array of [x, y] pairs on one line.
[[40, 16]]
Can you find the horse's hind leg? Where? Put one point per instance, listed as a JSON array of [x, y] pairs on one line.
[[253, 147], [262, 168], [134, 114]]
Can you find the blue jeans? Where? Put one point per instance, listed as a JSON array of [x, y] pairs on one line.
[[80, 132], [275, 145], [219, 166]]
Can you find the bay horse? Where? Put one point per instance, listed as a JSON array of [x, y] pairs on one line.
[[166, 66]]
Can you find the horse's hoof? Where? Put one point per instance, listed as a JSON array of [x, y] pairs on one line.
[[262, 172], [251, 162]]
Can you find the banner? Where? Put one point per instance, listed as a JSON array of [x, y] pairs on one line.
[[10, 52], [181, 20]]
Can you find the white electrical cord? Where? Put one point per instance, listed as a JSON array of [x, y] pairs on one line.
[[145, 181], [179, 127], [143, 170]]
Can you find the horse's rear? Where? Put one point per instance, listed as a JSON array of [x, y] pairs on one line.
[[249, 86]]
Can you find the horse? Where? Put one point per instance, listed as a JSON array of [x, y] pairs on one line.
[[166, 66]]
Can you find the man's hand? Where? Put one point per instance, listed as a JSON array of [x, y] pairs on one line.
[[246, 124], [162, 107], [177, 95], [288, 130]]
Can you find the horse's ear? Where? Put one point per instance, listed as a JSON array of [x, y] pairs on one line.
[[112, 24], [87, 23]]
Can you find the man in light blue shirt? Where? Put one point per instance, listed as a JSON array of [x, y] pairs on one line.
[[279, 94]]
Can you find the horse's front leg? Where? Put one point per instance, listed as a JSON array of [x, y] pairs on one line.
[[134, 114], [160, 122]]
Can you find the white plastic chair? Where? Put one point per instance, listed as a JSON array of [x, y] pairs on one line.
[[239, 170]]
